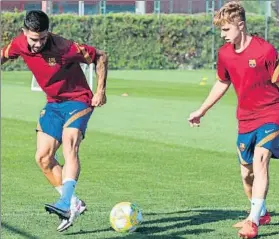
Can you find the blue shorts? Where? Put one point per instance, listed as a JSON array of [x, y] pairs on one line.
[[54, 117], [266, 136]]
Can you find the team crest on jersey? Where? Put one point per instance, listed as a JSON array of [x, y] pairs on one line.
[[242, 147], [52, 61], [252, 63]]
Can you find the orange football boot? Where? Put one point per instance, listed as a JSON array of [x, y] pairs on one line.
[[264, 220], [249, 230]]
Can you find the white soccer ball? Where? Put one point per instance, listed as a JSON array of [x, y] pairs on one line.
[[125, 217]]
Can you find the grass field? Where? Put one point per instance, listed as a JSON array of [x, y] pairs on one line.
[[137, 148]]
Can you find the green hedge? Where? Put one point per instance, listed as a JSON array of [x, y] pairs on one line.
[[140, 41]]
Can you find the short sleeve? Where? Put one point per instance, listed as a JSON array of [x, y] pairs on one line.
[[222, 74], [82, 53], [10, 51]]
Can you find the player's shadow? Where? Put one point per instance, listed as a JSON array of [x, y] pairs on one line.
[[86, 232], [183, 219], [180, 221], [139, 236], [17, 231], [178, 224], [271, 234]]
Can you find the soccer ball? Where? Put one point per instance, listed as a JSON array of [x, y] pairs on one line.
[[125, 217]]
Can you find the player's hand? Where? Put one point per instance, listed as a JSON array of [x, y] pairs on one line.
[[195, 118], [99, 99]]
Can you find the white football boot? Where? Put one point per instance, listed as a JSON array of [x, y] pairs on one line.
[[78, 207]]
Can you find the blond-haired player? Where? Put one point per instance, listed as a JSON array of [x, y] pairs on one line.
[[250, 64]]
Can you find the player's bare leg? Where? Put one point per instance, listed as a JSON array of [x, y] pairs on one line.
[[259, 191], [247, 176], [71, 171], [46, 148], [71, 139], [261, 176], [247, 179]]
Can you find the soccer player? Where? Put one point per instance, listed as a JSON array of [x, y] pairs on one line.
[[250, 64], [55, 62]]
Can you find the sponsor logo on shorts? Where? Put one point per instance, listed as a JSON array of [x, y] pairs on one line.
[[268, 131], [72, 112]]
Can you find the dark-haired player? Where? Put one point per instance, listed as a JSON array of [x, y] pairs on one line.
[[55, 62]]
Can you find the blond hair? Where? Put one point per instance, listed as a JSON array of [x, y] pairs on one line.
[[231, 12]]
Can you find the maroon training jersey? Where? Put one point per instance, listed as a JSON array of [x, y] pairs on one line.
[[57, 67], [253, 73]]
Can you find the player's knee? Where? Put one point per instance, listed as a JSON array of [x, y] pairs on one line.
[[71, 145], [261, 159], [247, 173], [43, 160], [261, 167], [247, 176], [70, 151]]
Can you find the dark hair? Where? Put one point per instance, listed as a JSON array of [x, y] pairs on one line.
[[36, 21]]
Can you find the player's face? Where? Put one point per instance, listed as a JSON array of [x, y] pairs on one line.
[[232, 32], [36, 40]]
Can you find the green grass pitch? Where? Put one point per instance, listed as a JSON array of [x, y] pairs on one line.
[[138, 148]]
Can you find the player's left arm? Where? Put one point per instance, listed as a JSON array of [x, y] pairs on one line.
[[272, 64], [101, 63], [88, 54]]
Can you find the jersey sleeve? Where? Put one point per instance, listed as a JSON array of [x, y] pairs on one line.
[[82, 53], [11, 51], [272, 64], [222, 74]]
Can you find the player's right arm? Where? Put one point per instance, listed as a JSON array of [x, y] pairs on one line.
[[10, 51], [216, 93]]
